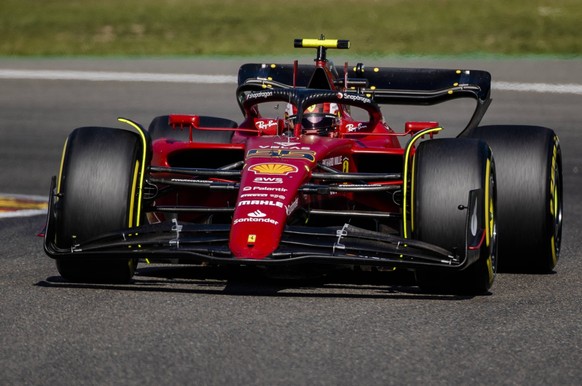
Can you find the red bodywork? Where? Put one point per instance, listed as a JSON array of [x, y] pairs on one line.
[[275, 167], [290, 177], [275, 189]]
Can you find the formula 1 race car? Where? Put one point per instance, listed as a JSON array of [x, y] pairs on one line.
[[314, 179]]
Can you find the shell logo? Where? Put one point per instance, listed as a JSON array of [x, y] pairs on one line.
[[273, 168]]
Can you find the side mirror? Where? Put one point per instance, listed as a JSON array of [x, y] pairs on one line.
[[179, 120], [414, 127], [190, 122]]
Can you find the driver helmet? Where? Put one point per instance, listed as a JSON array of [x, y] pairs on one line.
[[320, 119]]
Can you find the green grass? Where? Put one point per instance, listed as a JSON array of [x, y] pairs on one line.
[[268, 27]]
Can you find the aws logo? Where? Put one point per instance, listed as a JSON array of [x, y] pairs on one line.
[[273, 168]]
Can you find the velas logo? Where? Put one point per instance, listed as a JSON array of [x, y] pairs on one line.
[[287, 144], [308, 155], [273, 168]]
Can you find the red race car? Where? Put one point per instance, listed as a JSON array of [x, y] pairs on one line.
[[312, 179]]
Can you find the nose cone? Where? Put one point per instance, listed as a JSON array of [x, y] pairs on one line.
[[268, 191], [256, 234]]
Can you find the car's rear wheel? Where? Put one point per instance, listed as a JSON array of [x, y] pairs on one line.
[[453, 206], [96, 191], [160, 128], [529, 174]]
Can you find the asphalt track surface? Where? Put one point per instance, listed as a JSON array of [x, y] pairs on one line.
[[190, 325]]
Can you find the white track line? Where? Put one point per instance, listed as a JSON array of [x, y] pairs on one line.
[[23, 213], [108, 76], [567, 88]]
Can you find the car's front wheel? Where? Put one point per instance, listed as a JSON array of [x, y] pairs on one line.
[[454, 207], [96, 194]]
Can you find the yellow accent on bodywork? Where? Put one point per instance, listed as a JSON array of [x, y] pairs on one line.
[[142, 169], [488, 204], [62, 166], [490, 221], [412, 195], [315, 43], [490, 272], [409, 146], [554, 204], [132, 199]]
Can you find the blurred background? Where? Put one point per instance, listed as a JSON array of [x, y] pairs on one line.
[[257, 27]]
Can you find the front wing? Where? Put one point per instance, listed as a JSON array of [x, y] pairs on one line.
[[207, 243]]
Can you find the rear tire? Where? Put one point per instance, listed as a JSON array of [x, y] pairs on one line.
[[98, 179], [529, 174], [445, 171]]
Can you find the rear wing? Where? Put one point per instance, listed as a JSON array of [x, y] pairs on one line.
[[385, 85]]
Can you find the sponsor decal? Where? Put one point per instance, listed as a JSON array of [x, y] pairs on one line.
[[261, 202], [255, 220], [351, 127], [256, 217], [263, 189], [338, 160], [268, 180], [257, 214], [287, 144], [266, 125], [332, 161], [263, 195], [190, 181], [261, 94], [282, 153], [247, 195], [353, 97], [283, 147], [273, 168]]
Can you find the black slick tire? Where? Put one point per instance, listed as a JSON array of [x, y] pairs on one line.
[[529, 174], [450, 178], [96, 196]]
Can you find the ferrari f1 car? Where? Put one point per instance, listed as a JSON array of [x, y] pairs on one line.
[[311, 179]]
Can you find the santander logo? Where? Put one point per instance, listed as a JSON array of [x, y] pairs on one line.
[[255, 217]]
